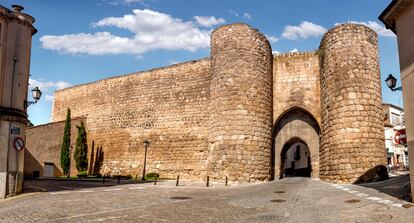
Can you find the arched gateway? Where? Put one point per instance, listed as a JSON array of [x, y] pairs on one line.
[[242, 114], [295, 159], [296, 132]]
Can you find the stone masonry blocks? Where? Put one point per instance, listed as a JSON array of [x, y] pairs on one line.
[[167, 106], [240, 104], [214, 116], [352, 138]]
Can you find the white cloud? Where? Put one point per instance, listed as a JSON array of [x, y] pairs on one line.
[[294, 50], [275, 52], [48, 85], [272, 39], [152, 31], [304, 30], [49, 97], [208, 21], [380, 29], [132, 1], [247, 15], [62, 84], [172, 62], [126, 2], [234, 13]]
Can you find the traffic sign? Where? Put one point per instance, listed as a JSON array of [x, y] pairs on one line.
[[400, 137], [18, 144]]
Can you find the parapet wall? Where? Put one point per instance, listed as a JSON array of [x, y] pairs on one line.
[[296, 83], [44, 143], [167, 106]]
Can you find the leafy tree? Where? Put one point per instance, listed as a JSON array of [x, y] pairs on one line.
[[81, 150], [64, 152]]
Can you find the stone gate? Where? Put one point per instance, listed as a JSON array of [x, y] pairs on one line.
[[236, 113]]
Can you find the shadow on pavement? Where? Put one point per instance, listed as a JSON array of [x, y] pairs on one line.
[[51, 185], [398, 187]]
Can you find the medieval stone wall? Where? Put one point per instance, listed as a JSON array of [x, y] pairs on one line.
[[296, 83], [352, 137], [241, 110], [167, 106], [232, 115], [44, 143], [296, 106]]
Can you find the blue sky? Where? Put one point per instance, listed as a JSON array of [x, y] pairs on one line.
[[80, 41]]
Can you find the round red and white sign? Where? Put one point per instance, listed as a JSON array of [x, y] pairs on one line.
[[18, 144], [400, 137]]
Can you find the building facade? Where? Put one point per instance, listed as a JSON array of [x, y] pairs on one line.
[[297, 161], [16, 30], [397, 153], [399, 17], [240, 112]]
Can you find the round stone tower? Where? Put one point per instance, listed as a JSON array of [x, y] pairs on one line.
[[352, 136], [241, 111]]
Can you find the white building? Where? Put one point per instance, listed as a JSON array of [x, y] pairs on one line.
[[297, 160], [394, 121]]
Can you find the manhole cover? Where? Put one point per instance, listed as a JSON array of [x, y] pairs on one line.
[[277, 201], [279, 192], [352, 201], [407, 205], [180, 198]]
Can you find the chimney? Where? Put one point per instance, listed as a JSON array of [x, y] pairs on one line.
[[17, 8]]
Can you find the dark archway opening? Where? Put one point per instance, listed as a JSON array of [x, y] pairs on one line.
[[295, 159], [295, 126]]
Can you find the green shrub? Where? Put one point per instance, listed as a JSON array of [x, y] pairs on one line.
[[83, 173], [151, 176]]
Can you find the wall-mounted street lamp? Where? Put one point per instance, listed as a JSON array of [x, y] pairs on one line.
[[146, 144], [36, 94], [392, 82]]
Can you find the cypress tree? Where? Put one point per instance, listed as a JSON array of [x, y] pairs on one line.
[[81, 151], [64, 152]]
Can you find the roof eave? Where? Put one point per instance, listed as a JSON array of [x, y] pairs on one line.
[[385, 16]]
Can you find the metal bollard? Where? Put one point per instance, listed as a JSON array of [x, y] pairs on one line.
[[226, 180], [178, 179], [156, 177], [119, 178], [208, 181], [103, 179]]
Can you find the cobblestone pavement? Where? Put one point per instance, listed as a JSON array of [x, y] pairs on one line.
[[287, 200]]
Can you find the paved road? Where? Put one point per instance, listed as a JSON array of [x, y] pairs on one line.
[[287, 200]]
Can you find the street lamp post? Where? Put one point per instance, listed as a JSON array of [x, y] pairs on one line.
[[146, 144], [36, 94], [392, 82]]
